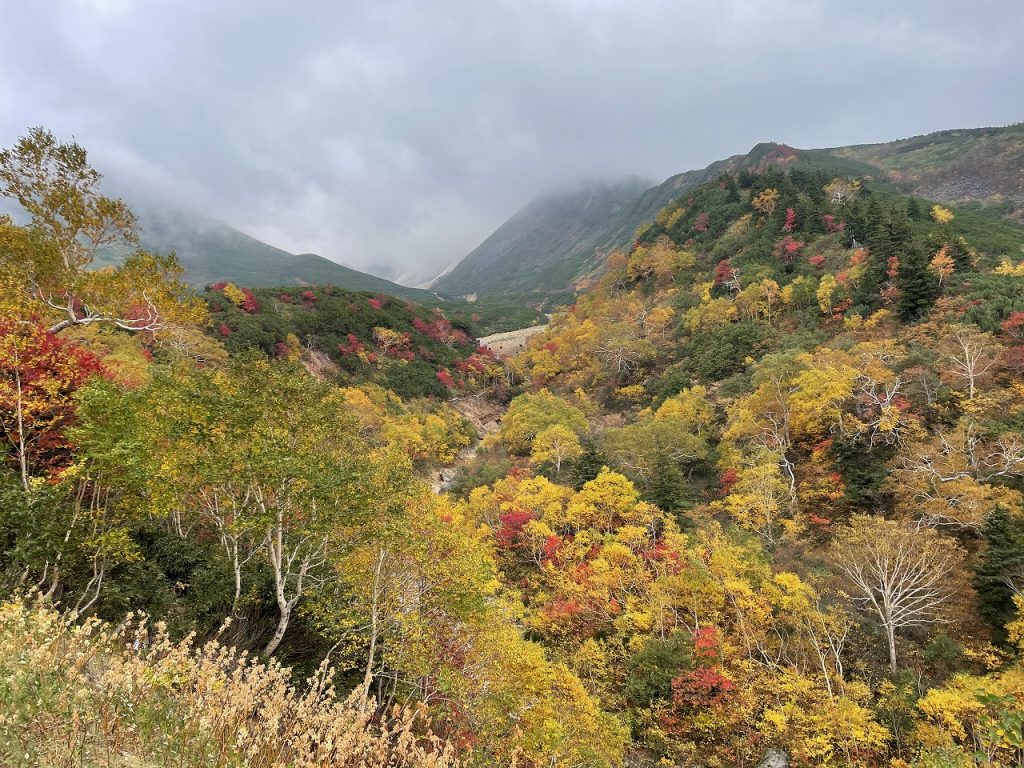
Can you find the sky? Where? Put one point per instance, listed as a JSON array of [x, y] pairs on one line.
[[395, 136]]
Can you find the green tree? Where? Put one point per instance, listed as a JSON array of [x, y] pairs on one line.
[[667, 488], [999, 569], [919, 286], [963, 255], [914, 211], [260, 457], [532, 413], [652, 669]]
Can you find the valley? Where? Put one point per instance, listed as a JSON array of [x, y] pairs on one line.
[[722, 472]]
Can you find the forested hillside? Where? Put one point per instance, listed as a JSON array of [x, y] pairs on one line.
[[354, 338], [210, 251], [758, 491], [556, 245], [812, 388]]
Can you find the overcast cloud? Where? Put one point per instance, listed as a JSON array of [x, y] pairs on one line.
[[395, 136]]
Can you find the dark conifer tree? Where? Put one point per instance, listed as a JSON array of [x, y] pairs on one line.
[[918, 285], [999, 564], [900, 231], [880, 248], [914, 212], [586, 467], [808, 217], [856, 221], [961, 254], [667, 487], [732, 190]]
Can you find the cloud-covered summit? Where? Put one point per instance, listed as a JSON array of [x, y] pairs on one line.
[[395, 136]]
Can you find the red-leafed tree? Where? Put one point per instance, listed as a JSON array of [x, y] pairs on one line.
[[723, 272], [39, 375], [893, 267], [728, 479], [831, 225], [1013, 326], [353, 345], [249, 304], [790, 220], [441, 329], [700, 688], [787, 248]]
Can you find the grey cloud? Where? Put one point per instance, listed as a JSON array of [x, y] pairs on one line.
[[394, 136]]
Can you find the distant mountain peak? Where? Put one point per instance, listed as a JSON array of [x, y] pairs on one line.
[[554, 245], [211, 251]]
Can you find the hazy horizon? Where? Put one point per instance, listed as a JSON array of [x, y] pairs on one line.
[[395, 137]]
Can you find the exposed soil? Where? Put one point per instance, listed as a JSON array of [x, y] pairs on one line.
[[482, 413], [319, 365], [510, 342]]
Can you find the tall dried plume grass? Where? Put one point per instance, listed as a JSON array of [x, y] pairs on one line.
[[84, 694]]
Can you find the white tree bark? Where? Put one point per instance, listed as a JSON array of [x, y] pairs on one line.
[[293, 562], [899, 573]]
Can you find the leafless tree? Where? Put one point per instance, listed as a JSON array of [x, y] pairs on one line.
[[901, 573], [970, 353]]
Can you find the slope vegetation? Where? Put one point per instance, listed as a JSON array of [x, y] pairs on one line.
[[211, 251], [760, 489], [983, 164], [548, 242], [556, 245], [353, 337], [772, 455]]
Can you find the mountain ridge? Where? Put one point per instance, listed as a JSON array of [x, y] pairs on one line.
[[549, 269], [541, 223], [212, 251]]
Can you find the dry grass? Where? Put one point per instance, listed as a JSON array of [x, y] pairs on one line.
[[87, 694]]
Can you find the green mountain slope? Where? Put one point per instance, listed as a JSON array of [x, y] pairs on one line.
[[554, 245], [543, 246], [211, 252], [356, 337], [984, 164]]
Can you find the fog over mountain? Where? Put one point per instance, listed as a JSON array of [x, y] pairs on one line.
[[395, 137]]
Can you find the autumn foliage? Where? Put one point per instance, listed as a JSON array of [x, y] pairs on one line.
[[760, 487], [41, 374]]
